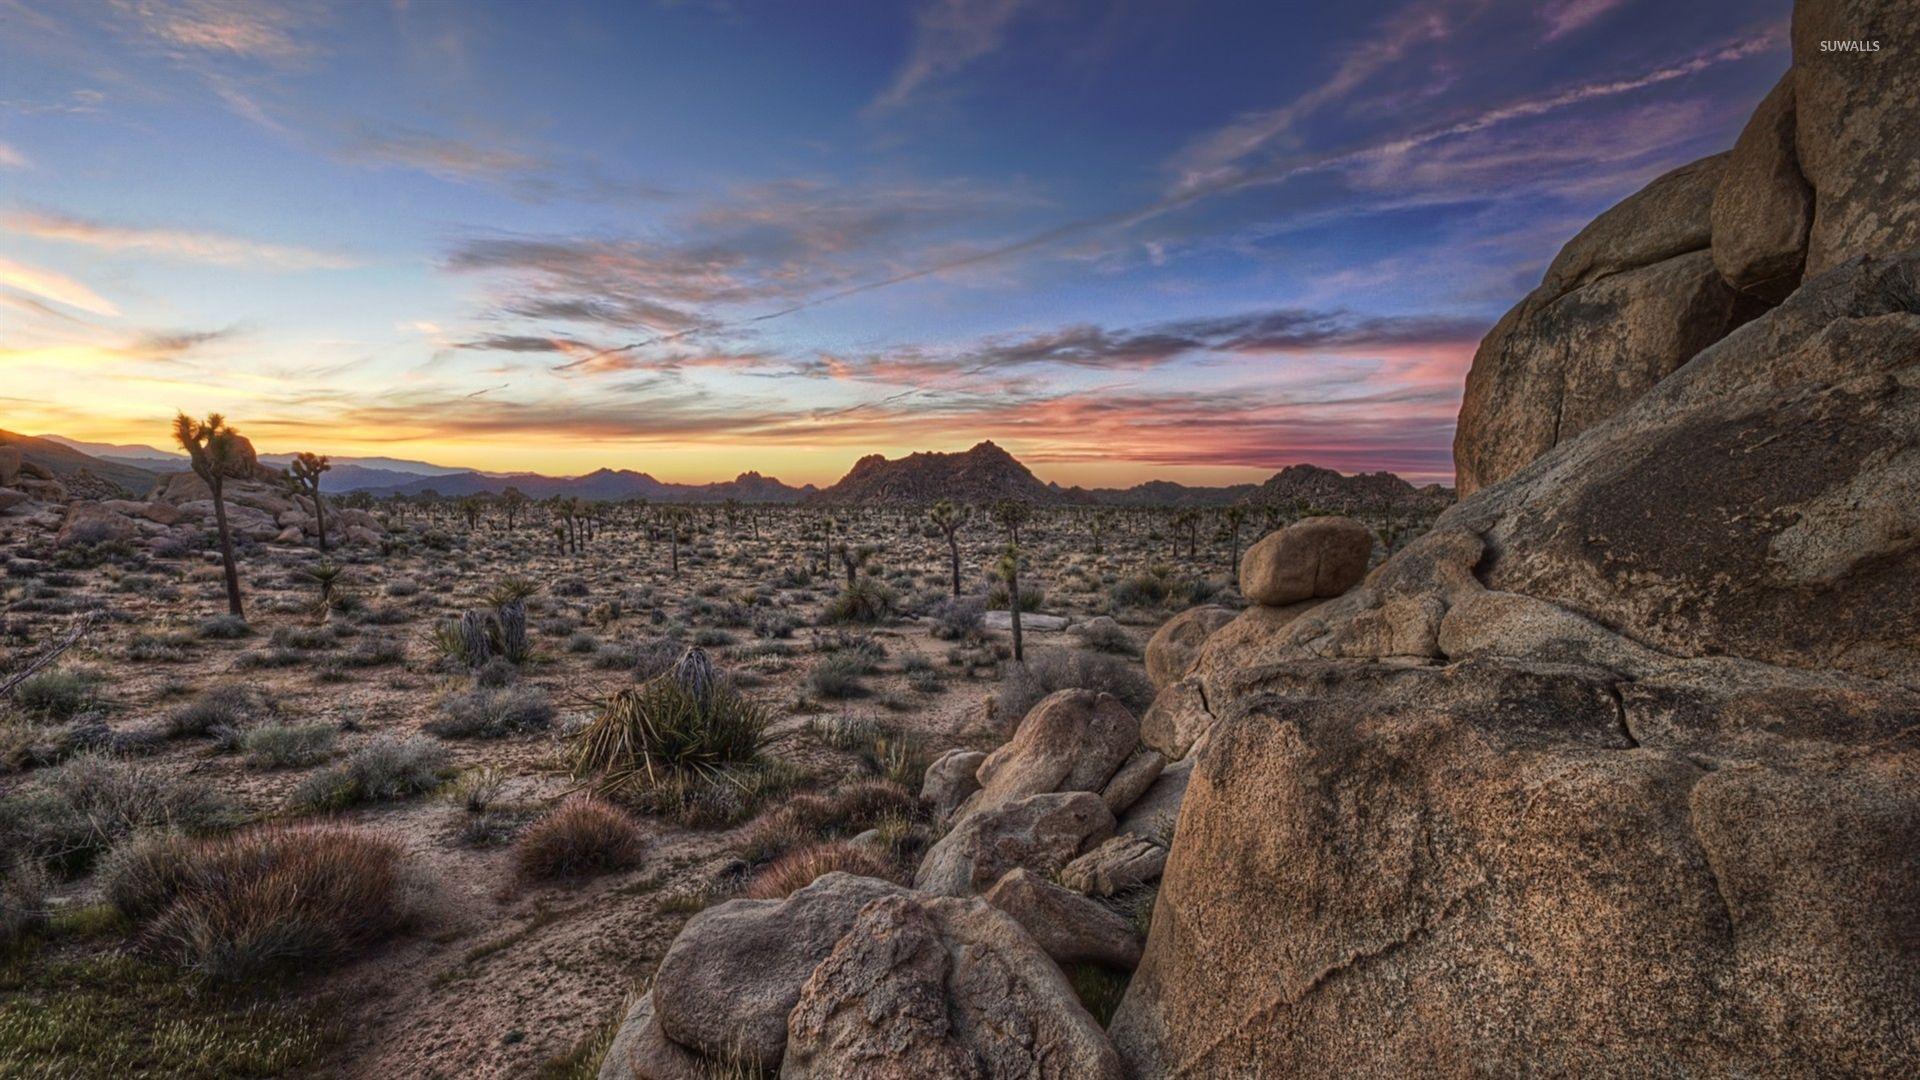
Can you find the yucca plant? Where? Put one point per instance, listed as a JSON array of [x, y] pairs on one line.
[[687, 721], [328, 577]]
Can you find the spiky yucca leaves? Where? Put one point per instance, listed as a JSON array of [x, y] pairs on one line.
[[688, 721]]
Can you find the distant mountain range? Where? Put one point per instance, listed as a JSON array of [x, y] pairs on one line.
[[984, 474], [603, 484]]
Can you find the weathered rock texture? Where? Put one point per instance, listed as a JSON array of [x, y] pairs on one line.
[[1039, 832], [938, 988]]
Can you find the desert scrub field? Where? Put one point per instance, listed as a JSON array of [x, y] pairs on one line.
[[447, 800]]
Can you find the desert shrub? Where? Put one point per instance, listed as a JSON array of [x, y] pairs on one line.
[[284, 746], [584, 836], [268, 900], [865, 601], [1105, 635], [304, 637], [483, 713], [495, 673], [690, 720], [230, 706], [58, 694], [1048, 670], [837, 675], [581, 643], [81, 808], [802, 866], [224, 628], [160, 648], [957, 617], [1031, 597], [719, 799], [23, 900], [375, 650], [383, 770], [1147, 589]]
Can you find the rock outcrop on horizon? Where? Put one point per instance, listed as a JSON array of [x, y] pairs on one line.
[[1614, 771], [984, 474], [1325, 491]]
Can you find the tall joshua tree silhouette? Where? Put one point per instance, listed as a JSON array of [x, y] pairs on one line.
[[304, 473], [215, 450], [948, 518]]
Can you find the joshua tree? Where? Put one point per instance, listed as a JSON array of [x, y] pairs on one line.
[[853, 558], [674, 517], [1010, 514], [1235, 516], [304, 473], [948, 518], [215, 450], [512, 501]]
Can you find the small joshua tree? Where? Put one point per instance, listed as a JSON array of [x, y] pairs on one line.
[[328, 577], [304, 475], [948, 518], [1010, 514], [216, 452], [1235, 515]]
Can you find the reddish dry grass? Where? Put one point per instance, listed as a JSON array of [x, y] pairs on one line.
[[806, 819], [584, 836], [798, 868], [260, 901]]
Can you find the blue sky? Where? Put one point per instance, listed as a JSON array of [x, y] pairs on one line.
[[1192, 240]]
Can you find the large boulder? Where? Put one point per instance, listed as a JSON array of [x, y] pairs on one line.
[[729, 980], [10, 462], [1171, 650], [942, 988], [1116, 865], [1040, 832], [1763, 208], [1858, 129], [1561, 362], [1072, 740], [9, 498], [90, 523], [1312, 558]]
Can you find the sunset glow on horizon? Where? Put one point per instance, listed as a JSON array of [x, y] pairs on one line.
[[697, 239]]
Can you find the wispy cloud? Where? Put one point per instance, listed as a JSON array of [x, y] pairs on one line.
[[49, 285], [1564, 17], [11, 158], [259, 30], [182, 244], [948, 35]]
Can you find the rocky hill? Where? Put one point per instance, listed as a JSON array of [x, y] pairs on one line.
[[984, 474], [66, 463], [1327, 491]]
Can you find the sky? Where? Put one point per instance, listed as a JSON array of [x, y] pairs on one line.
[[1137, 239]]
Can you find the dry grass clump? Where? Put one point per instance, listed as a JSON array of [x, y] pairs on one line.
[[271, 899], [800, 867], [584, 836], [231, 706], [23, 900], [809, 817], [76, 811]]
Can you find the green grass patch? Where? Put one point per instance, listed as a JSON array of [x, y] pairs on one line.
[[112, 1014]]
